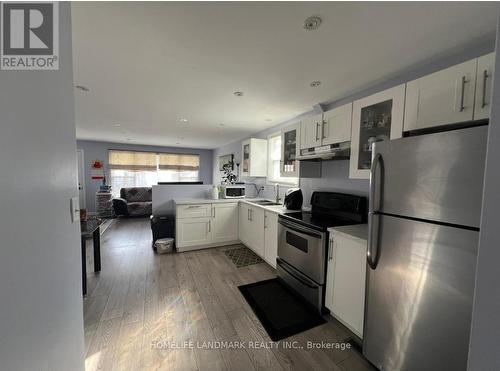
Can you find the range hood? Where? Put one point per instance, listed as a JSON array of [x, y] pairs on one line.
[[338, 151]]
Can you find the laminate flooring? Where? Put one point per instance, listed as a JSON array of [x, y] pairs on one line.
[[183, 311]]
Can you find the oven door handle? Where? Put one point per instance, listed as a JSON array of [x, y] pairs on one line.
[[298, 278], [296, 228]]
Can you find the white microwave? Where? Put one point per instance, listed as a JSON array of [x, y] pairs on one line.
[[233, 191]]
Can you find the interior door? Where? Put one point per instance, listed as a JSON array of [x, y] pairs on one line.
[[337, 125], [441, 98], [484, 78], [225, 222], [419, 296], [81, 178]]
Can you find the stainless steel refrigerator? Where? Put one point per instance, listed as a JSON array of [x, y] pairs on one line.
[[425, 207]]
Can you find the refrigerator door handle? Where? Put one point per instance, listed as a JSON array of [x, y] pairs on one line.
[[373, 219]]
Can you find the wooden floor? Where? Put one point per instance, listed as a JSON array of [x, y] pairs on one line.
[[142, 302]]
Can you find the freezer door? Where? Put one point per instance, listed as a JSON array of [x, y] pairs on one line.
[[419, 296], [435, 177]]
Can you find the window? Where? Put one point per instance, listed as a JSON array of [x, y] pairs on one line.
[[274, 161], [144, 169]]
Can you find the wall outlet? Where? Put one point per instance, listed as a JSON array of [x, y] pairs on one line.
[[75, 210]]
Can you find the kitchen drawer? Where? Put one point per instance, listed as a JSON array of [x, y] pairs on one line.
[[194, 211]]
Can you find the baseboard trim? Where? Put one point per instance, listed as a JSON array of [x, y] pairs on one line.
[[206, 246]]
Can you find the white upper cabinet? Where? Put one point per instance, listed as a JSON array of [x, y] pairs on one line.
[[311, 131], [336, 126], [375, 118], [290, 143], [484, 78], [254, 158], [441, 98]]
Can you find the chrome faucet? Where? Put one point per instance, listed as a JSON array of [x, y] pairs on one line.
[[277, 190]]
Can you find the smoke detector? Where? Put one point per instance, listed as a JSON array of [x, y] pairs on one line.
[[238, 93], [312, 23], [315, 84]]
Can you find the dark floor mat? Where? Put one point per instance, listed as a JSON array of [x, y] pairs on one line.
[[242, 257], [279, 310]]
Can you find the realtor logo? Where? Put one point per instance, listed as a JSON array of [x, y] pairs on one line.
[[29, 36]]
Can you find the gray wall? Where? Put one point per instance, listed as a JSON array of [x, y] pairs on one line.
[[99, 150], [484, 352], [41, 310], [335, 174]]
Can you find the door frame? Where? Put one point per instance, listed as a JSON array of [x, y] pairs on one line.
[[81, 152]]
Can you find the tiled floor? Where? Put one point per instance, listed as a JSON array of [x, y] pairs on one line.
[[142, 306]]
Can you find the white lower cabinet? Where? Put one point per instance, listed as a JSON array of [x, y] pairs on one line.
[[270, 237], [345, 283], [259, 231], [256, 231], [193, 231], [225, 222], [218, 226]]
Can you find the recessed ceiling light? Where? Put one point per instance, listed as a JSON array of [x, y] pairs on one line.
[[117, 125], [312, 23], [82, 88], [315, 84], [177, 143], [269, 120], [238, 93], [129, 139], [222, 125], [183, 120]]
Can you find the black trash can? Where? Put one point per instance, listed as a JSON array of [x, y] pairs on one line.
[[162, 227]]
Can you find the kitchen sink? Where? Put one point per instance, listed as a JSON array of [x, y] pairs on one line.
[[265, 203]]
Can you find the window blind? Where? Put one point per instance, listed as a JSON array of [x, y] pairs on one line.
[[173, 161], [132, 161]]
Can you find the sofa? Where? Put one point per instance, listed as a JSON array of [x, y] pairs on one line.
[[134, 201]]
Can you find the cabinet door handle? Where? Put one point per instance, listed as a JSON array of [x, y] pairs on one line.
[[485, 78], [323, 136], [265, 218], [209, 226], [317, 130], [194, 206], [248, 214], [213, 211], [462, 94], [330, 249]]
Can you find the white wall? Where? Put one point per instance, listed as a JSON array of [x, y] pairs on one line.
[[484, 352], [41, 316]]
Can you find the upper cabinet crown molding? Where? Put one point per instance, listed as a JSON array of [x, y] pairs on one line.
[[375, 118], [254, 158]]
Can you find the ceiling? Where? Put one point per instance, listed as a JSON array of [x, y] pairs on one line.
[[149, 65]]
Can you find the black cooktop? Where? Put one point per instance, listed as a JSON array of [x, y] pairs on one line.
[[331, 209]]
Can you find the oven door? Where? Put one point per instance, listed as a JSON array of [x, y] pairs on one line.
[[302, 248]]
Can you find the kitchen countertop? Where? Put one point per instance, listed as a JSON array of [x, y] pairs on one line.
[[279, 209], [359, 231]]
